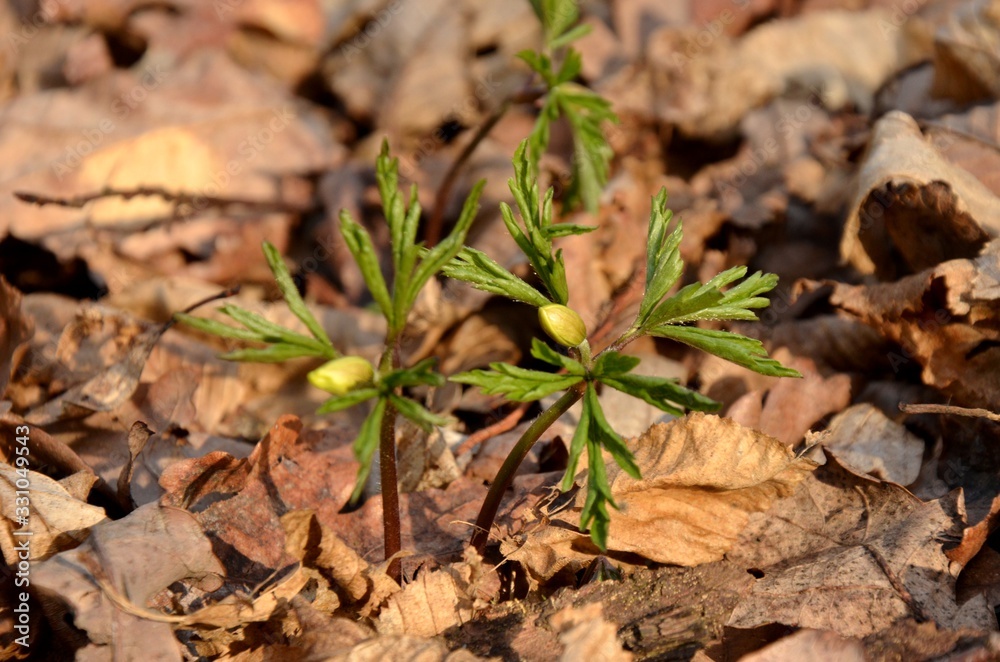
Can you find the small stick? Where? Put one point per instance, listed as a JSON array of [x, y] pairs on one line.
[[950, 409], [508, 422]]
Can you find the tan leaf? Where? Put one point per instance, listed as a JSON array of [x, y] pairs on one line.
[[810, 645], [870, 442], [851, 554], [57, 519], [910, 198], [440, 599], [702, 477], [15, 329], [586, 635], [939, 318], [131, 560]]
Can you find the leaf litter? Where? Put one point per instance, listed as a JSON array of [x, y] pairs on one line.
[[852, 152]]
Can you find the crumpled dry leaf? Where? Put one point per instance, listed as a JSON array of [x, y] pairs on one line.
[[702, 477], [15, 329], [912, 209], [967, 53], [942, 318], [57, 518], [126, 562], [793, 405], [586, 635], [417, 54], [810, 645], [706, 88], [240, 502], [179, 144], [852, 555], [440, 599], [870, 442]]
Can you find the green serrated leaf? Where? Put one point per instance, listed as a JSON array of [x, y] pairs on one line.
[[595, 511], [273, 354], [218, 328], [601, 431], [662, 393], [610, 364], [567, 229], [484, 273], [518, 384], [271, 332], [543, 352], [420, 374], [663, 259], [359, 242], [417, 413], [569, 37], [292, 297], [747, 352], [435, 259], [580, 437], [348, 400], [365, 445]]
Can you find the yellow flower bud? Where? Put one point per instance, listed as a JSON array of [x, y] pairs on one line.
[[563, 324], [342, 375]]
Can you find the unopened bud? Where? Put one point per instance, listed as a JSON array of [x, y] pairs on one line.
[[342, 375], [563, 324]]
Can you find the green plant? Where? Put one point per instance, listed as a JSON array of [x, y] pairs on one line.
[[352, 380], [581, 373], [578, 375]]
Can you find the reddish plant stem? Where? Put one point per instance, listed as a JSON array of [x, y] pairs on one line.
[[504, 478], [436, 221], [390, 491], [503, 425]]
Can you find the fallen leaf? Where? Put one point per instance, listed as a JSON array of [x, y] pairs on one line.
[[126, 562], [870, 442], [810, 645], [702, 478], [939, 318], [586, 635], [15, 329], [912, 203], [852, 555], [56, 519]]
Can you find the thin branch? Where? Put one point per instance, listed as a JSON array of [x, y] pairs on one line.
[[436, 222], [949, 409]]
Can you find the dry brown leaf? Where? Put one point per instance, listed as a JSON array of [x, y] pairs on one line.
[[853, 555], [707, 83], [15, 329], [967, 53], [329, 553], [57, 519], [586, 635], [870, 442], [793, 406], [942, 318], [702, 477], [105, 583], [160, 132], [810, 645], [911, 202], [409, 73]]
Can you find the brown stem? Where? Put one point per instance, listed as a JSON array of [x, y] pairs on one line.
[[390, 491], [504, 478], [434, 225]]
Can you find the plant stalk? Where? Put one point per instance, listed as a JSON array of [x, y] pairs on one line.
[[391, 527], [390, 491], [504, 478]]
